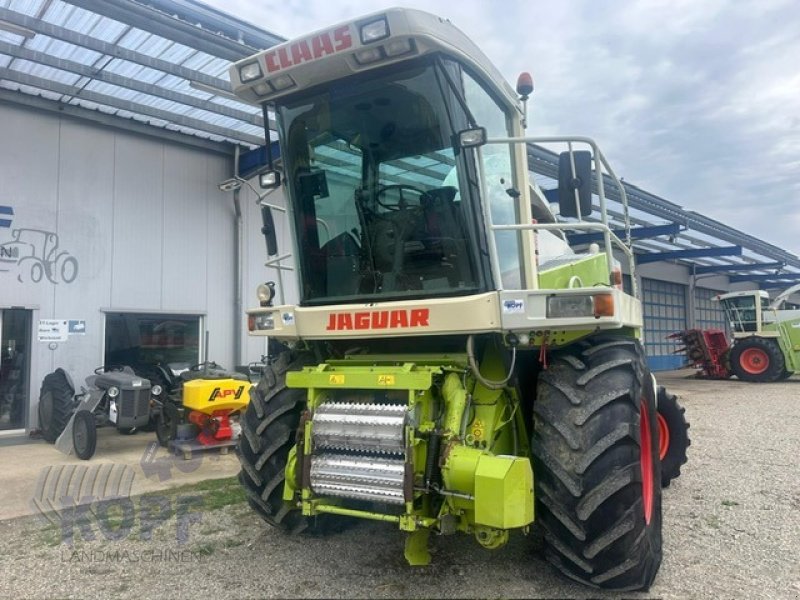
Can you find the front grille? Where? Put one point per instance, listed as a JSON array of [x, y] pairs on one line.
[[134, 403]]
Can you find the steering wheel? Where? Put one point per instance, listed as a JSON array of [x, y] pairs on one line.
[[109, 369], [200, 366], [400, 187]]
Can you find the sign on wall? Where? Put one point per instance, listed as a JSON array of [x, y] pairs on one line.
[[53, 330], [34, 254]]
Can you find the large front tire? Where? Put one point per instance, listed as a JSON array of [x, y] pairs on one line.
[[269, 429], [598, 474], [84, 434]]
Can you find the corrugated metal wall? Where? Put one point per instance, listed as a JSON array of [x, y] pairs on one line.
[[664, 307], [143, 218], [708, 313]]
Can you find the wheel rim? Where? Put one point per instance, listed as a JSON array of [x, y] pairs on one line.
[[80, 435], [754, 361], [646, 461], [663, 437]]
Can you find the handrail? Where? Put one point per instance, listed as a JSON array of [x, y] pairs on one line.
[[610, 239]]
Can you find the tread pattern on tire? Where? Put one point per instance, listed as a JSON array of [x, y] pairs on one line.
[[268, 433], [777, 363], [61, 487], [674, 415], [58, 385], [586, 455]]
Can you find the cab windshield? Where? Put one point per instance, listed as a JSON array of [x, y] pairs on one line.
[[383, 205]]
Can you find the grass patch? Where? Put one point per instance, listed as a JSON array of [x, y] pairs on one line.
[[204, 549], [729, 503], [713, 521], [215, 493]]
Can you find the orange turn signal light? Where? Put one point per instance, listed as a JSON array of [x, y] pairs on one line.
[[603, 305]]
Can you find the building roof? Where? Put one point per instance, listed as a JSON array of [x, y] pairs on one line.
[[165, 63]]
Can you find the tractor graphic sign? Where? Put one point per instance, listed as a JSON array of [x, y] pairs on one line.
[[34, 254]]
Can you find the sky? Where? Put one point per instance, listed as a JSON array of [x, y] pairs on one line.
[[695, 101]]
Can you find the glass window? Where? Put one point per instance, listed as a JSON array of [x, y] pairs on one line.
[[497, 168], [375, 183], [15, 353], [141, 340]]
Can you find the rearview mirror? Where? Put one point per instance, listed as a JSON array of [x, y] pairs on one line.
[[577, 183], [268, 229]]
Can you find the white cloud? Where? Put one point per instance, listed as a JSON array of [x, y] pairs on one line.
[[698, 102]]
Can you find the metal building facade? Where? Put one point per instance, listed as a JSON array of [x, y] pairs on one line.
[[144, 220]]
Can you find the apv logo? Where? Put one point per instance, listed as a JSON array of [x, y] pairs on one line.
[[220, 393]]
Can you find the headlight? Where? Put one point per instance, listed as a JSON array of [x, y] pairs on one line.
[[249, 72], [265, 293], [398, 47], [368, 55], [282, 82], [576, 306], [374, 31], [261, 322], [564, 307], [113, 392], [156, 390]]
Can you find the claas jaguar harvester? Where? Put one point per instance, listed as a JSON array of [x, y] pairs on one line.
[[451, 365]]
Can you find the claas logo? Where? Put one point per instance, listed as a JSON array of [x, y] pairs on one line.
[[220, 393]]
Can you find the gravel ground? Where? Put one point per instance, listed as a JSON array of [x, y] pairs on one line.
[[731, 529]]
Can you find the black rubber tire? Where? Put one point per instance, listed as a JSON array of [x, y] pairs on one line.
[[785, 375], [269, 428], [84, 434], [678, 427], [776, 363], [155, 377], [587, 454], [166, 425], [56, 402]]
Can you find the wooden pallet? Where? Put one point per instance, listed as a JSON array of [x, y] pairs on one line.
[[188, 447]]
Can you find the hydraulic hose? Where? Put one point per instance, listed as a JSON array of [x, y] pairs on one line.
[[473, 364]]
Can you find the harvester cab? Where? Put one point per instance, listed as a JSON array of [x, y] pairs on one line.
[[450, 363], [766, 336]]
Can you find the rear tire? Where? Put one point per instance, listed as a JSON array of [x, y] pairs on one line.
[[166, 425], [84, 434], [269, 429], [673, 434], [55, 404], [758, 360], [598, 474]]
